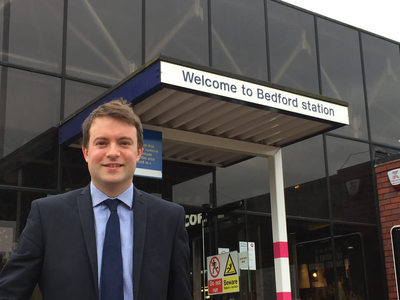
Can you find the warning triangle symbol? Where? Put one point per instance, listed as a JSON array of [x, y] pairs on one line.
[[230, 267]]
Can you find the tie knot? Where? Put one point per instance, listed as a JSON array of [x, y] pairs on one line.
[[112, 204]]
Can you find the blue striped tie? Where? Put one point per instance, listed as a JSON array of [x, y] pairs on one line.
[[111, 283]]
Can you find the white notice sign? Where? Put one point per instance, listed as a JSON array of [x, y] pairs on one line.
[[247, 262]]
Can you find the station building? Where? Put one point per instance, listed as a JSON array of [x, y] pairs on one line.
[[59, 59]]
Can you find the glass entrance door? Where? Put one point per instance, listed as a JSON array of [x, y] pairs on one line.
[[225, 231], [217, 221], [214, 231]]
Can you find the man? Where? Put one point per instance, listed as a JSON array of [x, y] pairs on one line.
[[66, 235]]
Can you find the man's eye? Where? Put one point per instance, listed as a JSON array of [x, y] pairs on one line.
[[125, 143], [100, 143]]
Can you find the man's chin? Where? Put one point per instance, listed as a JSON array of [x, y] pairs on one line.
[[116, 182]]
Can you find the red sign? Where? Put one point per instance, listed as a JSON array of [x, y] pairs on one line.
[[214, 267], [215, 286], [394, 177]]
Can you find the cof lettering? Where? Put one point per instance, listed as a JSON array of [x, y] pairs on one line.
[[193, 219]]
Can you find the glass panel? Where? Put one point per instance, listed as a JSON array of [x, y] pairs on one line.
[[195, 192], [238, 37], [305, 186], [178, 180], [246, 180], [30, 110], [78, 94], [177, 29], [382, 75], [352, 193], [341, 73], [34, 164], [359, 266], [75, 172], [309, 250], [226, 232], [104, 39], [262, 280], [36, 33], [292, 48]]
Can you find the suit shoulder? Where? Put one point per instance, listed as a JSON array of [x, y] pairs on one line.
[[60, 197]]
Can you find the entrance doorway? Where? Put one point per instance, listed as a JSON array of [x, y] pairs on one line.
[[221, 230], [220, 218]]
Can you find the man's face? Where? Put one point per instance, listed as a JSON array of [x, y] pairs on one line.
[[111, 155]]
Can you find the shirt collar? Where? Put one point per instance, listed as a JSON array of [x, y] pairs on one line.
[[98, 196]]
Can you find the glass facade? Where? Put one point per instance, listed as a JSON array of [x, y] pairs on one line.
[[292, 48], [382, 73], [178, 29], [305, 187], [57, 56], [104, 39], [341, 73], [235, 52], [35, 34], [30, 96], [77, 94]]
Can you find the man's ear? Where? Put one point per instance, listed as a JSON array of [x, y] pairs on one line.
[[85, 153], [140, 151]]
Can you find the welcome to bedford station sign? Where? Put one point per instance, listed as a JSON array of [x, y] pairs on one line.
[[207, 82]]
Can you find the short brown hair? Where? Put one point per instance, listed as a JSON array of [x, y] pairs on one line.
[[117, 109]]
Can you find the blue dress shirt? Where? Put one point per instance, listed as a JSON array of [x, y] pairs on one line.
[[125, 213]]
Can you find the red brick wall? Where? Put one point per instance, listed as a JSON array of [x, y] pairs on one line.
[[389, 205]]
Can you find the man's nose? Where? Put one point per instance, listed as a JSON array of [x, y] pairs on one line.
[[113, 150]]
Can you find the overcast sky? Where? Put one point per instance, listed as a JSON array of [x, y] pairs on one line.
[[379, 17]]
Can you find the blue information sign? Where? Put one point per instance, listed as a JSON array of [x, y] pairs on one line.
[[150, 164]]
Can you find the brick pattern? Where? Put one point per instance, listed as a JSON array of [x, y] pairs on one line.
[[389, 206]]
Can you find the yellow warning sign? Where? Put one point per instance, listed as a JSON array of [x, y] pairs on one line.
[[230, 267], [231, 284]]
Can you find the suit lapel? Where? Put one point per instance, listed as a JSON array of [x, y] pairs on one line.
[[139, 228], [85, 208]]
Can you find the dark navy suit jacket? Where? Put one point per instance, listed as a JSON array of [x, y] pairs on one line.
[[57, 249]]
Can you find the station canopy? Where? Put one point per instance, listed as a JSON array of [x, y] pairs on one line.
[[215, 118]]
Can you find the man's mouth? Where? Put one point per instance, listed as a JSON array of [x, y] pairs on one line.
[[113, 165]]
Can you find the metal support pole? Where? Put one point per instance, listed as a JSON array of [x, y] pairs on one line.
[[279, 231]]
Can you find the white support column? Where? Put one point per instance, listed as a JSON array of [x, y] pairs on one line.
[[279, 231]]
